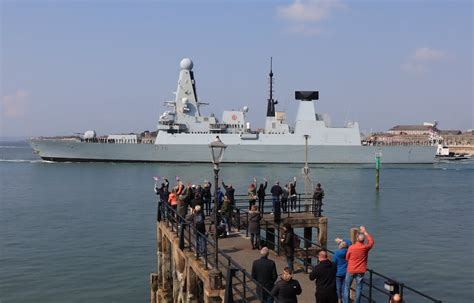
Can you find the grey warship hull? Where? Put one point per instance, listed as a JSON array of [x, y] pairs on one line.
[[76, 151]]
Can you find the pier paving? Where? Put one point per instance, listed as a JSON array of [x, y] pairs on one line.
[[238, 247]]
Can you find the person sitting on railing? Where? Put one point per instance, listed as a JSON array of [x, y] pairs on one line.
[[264, 271], [226, 213], [293, 195], [288, 244], [198, 220], [252, 193], [254, 227], [318, 196], [357, 263], [261, 195], [325, 275], [339, 259], [286, 290], [276, 193], [229, 192]]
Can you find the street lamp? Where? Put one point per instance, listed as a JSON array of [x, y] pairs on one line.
[[217, 148]]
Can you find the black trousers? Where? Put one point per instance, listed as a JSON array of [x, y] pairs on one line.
[[329, 297]]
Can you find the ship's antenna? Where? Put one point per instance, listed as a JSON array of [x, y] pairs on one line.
[[271, 102]]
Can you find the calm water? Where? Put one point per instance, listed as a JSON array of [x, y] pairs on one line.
[[75, 232]]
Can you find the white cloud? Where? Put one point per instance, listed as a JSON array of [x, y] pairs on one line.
[[14, 105], [428, 54], [309, 10], [421, 59], [304, 30]]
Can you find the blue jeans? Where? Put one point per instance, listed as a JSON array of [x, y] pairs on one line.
[[359, 278], [275, 199], [290, 260], [340, 286]]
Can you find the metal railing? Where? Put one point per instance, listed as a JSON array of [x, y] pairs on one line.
[[242, 285], [239, 283], [307, 252], [302, 204]]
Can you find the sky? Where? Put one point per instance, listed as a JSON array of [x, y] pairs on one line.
[[71, 66]]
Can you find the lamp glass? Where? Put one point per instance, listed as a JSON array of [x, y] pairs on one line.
[[217, 150]]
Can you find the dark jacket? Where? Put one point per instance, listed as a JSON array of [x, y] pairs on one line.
[[288, 243], [318, 194], [325, 275], [229, 192], [254, 222], [276, 190], [198, 220], [264, 271], [261, 190], [286, 291]]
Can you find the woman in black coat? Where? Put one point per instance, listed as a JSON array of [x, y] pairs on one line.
[[261, 196], [254, 227]]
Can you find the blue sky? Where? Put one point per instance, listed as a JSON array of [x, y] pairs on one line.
[[70, 66]]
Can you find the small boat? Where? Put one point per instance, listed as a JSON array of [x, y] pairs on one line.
[[443, 153]]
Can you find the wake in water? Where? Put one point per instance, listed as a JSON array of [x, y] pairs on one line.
[[25, 161]]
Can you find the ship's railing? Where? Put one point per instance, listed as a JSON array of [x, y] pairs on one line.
[[307, 255], [239, 283]]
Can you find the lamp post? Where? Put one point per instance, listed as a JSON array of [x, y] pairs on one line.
[[217, 148]]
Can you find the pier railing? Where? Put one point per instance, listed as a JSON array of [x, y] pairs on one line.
[[306, 254], [302, 204], [239, 282], [243, 287]]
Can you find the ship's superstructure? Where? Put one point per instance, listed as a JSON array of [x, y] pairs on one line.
[[183, 135]]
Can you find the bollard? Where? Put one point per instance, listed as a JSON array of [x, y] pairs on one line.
[[377, 170]]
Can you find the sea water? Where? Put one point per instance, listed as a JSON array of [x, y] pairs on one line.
[[85, 232]]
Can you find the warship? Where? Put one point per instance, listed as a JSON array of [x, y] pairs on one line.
[[183, 135]]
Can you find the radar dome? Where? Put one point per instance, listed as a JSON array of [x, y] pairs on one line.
[[187, 64]]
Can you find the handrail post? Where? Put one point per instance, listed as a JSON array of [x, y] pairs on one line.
[[278, 239], [247, 225], [307, 255], [245, 285], [205, 253], [370, 285], [238, 219]]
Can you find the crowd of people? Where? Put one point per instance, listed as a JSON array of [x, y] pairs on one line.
[[183, 198], [333, 277]]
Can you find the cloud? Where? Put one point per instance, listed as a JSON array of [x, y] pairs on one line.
[[428, 54], [302, 14], [14, 105], [421, 59], [309, 10], [304, 30]]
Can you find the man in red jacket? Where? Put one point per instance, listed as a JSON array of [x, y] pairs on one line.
[[357, 263]]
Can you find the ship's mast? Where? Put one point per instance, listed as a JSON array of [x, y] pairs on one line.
[[271, 102]]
